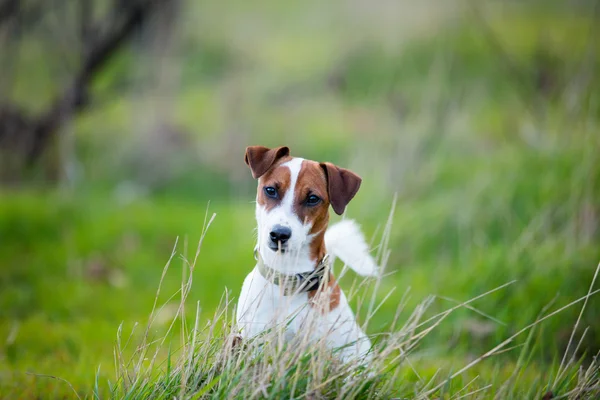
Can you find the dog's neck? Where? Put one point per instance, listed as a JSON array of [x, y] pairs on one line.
[[304, 260]]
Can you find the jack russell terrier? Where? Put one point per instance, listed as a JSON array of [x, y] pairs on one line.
[[292, 282]]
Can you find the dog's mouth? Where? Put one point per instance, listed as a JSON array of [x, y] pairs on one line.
[[277, 247]]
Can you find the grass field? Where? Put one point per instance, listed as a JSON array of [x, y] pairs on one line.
[[482, 120]]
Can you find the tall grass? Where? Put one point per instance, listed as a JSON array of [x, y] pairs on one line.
[[214, 362]]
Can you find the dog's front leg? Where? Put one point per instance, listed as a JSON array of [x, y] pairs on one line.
[[345, 337]]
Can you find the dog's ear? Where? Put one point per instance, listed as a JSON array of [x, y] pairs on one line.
[[342, 185], [260, 158]]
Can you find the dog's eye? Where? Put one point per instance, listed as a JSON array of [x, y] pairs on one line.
[[271, 192], [312, 200]]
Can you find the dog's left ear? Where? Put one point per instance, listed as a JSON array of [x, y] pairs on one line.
[[342, 185], [260, 158]]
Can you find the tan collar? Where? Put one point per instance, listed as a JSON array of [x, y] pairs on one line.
[[296, 283]]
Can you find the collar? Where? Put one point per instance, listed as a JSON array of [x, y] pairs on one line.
[[296, 283]]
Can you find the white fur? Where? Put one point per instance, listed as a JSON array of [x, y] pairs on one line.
[[345, 241], [262, 305], [296, 259]]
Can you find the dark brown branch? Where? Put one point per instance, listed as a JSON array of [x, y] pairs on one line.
[[71, 101], [8, 8]]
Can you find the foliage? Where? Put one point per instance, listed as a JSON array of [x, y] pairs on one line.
[[485, 127]]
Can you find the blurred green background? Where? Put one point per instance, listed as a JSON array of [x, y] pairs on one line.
[[482, 116]]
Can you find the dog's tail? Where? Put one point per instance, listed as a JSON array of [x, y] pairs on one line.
[[345, 241]]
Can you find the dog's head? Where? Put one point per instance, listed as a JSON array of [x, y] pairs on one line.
[[292, 202]]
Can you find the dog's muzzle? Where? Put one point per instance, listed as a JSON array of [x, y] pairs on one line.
[[279, 236]]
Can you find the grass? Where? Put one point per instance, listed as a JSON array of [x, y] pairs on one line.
[[522, 373], [98, 270], [487, 128], [213, 363]]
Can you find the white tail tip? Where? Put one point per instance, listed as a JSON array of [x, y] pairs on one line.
[[345, 241]]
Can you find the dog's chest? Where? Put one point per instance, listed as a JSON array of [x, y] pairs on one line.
[[262, 305]]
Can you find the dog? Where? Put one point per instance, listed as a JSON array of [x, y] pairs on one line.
[[292, 280]]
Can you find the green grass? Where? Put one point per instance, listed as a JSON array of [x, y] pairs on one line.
[[492, 153], [212, 362], [78, 269]]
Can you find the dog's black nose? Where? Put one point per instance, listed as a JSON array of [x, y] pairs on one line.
[[280, 233]]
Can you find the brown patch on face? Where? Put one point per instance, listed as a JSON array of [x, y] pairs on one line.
[[326, 298], [278, 177], [312, 181]]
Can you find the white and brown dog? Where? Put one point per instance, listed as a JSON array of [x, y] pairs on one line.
[[292, 281]]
